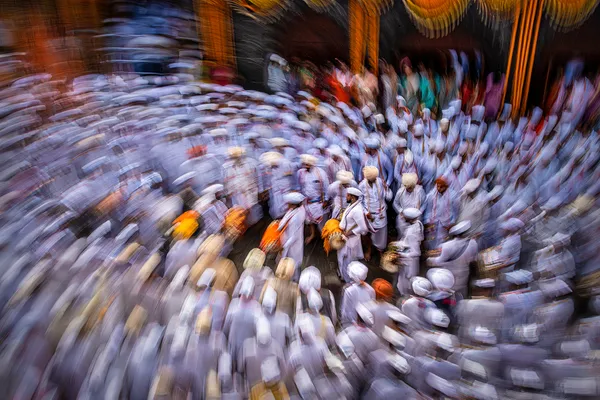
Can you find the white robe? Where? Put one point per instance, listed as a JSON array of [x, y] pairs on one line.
[[355, 221], [313, 185], [292, 225], [241, 184], [282, 181], [374, 202]]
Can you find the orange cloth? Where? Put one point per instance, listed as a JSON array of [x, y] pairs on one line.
[[196, 151], [186, 215], [383, 289], [332, 226], [271, 240], [235, 221]]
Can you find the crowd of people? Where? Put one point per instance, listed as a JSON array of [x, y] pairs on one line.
[[123, 196]]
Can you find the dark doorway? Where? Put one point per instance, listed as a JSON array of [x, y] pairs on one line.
[[311, 36]]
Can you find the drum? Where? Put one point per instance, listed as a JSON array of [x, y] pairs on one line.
[[332, 235], [271, 240], [227, 275], [234, 225], [489, 262]]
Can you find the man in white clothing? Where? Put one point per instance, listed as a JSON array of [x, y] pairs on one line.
[[375, 195], [292, 227], [241, 183], [354, 224], [337, 192], [313, 184], [410, 195]]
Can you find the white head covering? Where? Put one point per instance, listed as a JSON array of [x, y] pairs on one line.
[[471, 186], [310, 278], [436, 317], [402, 126], [483, 335], [364, 313], [455, 163], [207, 278], [409, 179], [308, 159], [477, 113], [263, 331], [441, 278], [444, 123], [354, 192], [411, 213], [399, 363], [247, 288], [315, 302], [418, 130], [269, 301], [293, 198], [357, 271], [370, 172], [421, 286], [345, 177], [459, 228]]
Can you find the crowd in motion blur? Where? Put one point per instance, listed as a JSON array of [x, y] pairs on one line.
[[123, 196]]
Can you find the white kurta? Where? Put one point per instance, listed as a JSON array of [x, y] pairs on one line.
[[282, 181], [405, 199], [374, 202], [292, 225], [314, 184], [355, 224], [241, 185]]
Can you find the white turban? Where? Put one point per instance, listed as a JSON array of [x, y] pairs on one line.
[[345, 177], [409, 179], [441, 278], [357, 271], [269, 301], [310, 278], [402, 126], [421, 286], [308, 159], [315, 302], [370, 172]]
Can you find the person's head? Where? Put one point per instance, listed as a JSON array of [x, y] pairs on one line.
[[293, 199], [460, 229], [383, 290], [471, 187], [308, 161], [444, 125], [441, 184], [409, 181], [269, 301], [401, 146], [247, 288], [353, 195], [370, 173], [344, 177], [411, 214]]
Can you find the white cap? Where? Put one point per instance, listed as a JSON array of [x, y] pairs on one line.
[[308, 159], [512, 225], [247, 288], [441, 385], [263, 331], [411, 213], [345, 177], [207, 278], [484, 283], [393, 337], [310, 278], [399, 363], [357, 271], [483, 335], [495, 193], [436, 317], [421, 286], [444, 341], [460, 228], [293, 198], [315, 302], [441, 278], [471, 186], [364, 313], [398, 317], [354, 192], [402, 126], [212, 189], [418, 130], [269, 301]]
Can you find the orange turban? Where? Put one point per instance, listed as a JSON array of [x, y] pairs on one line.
[[383, 289]]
